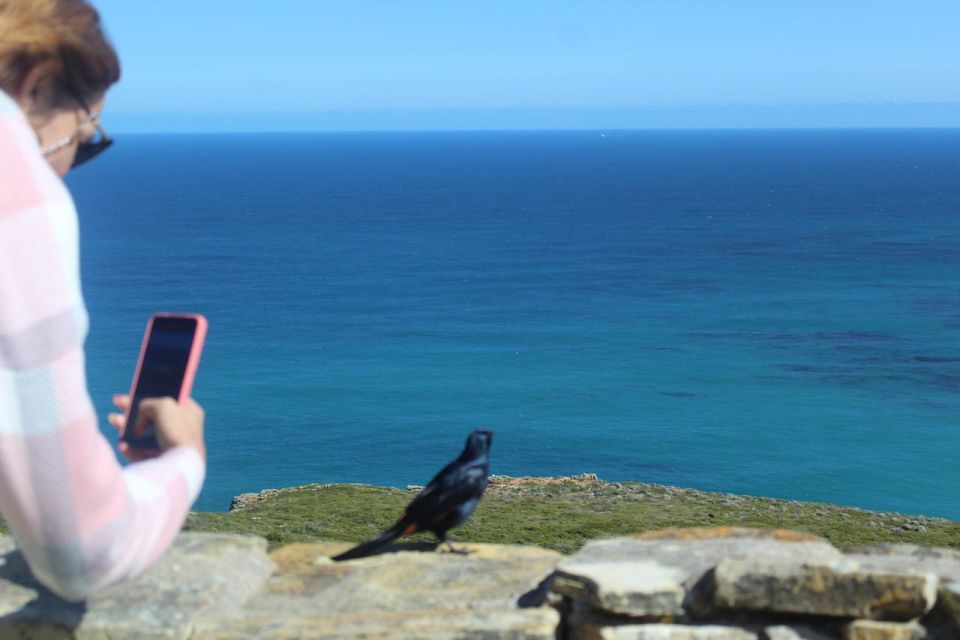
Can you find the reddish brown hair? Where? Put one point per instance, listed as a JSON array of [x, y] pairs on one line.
[[65, 36]]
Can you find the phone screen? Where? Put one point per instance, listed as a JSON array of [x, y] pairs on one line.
[[162, 370]]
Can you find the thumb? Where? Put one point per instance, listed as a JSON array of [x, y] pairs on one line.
[[146, 415]]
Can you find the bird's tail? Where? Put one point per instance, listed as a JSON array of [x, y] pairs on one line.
[[367, 548]]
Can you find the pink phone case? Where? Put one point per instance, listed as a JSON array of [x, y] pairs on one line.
[[192, 363]]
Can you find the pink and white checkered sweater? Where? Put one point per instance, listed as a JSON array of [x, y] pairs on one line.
[[82, 520]]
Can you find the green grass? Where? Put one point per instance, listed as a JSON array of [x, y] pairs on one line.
[[564, 514]]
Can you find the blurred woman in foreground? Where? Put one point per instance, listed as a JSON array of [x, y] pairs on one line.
[[82, 521]]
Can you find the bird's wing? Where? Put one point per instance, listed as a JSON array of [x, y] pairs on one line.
[[456, 484]]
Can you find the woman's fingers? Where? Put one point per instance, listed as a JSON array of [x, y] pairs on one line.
[[117, 421], [131, 454], [176, 424]]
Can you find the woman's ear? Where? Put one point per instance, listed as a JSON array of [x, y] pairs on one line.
[[36, 92]]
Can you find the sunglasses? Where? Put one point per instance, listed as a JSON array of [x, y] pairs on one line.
[[90, 149], [87, 149]]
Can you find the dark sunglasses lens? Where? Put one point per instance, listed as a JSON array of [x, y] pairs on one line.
[[87, 151]]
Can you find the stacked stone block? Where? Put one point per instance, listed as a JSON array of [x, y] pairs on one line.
[[748, 584]]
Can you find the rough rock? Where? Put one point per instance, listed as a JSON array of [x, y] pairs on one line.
[[875, 630], [660, 574], [662, 632], [909, 557], [792, 632], [487, 576], [518, 624], [949, 597], [245, 500], [833, 588], [202, 575], [491, 591]]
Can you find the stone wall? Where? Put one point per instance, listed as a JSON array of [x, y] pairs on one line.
[[743, 584], [687, 584]]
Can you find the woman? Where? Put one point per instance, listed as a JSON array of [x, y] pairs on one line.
[[82, 521]]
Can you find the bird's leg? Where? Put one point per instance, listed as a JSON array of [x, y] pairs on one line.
[[446, 539]]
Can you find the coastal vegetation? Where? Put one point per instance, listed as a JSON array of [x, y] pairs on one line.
[[560, 514]]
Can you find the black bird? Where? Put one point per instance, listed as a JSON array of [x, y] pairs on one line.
[[446, 502]]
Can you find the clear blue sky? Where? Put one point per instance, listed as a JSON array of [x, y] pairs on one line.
[[194, 65]]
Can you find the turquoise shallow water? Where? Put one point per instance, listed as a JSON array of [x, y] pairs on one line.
[[771, 313]]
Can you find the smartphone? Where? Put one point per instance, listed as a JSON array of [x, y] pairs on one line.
[[166, 368]]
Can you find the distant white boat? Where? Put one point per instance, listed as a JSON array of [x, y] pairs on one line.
[[611, 135]]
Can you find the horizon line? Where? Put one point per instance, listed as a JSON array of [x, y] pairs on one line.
[[599, 130]]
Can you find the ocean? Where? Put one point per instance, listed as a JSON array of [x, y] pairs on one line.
[[770, 313]]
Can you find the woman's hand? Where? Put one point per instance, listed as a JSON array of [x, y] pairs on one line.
[[176, 424]]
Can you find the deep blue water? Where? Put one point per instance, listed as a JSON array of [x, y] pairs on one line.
[[762, 312]]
